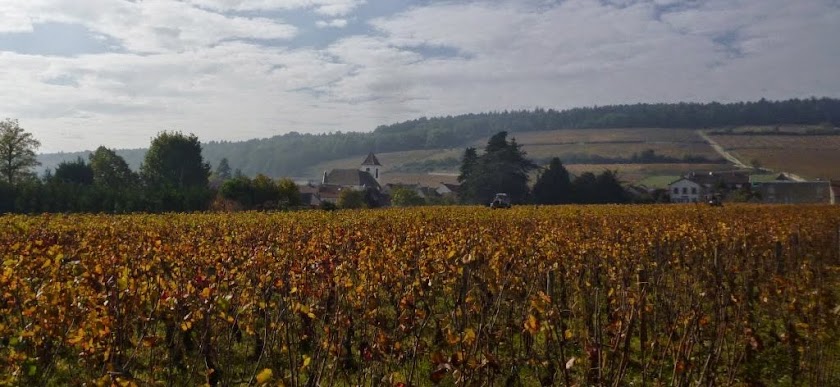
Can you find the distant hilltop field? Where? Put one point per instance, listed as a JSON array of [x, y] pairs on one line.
[[642, 142]]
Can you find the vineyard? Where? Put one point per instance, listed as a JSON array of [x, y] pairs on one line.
[[569, 295]]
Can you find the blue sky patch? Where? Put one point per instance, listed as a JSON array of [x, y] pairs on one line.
[[58, 39]]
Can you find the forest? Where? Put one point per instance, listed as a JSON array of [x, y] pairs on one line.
[[291, 153]]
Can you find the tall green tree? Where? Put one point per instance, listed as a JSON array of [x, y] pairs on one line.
[[603, 188], [502, 168], [74, 172], [111, 170], [585, 188], [553, 185], [174, 161], [175, 175], [610, 189], [223, 171], [17, 151], [469, 163]]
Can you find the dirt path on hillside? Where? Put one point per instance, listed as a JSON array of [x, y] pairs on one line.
[[734, 160], [719, 149]]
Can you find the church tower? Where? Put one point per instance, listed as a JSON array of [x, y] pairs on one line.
[[371, 165]]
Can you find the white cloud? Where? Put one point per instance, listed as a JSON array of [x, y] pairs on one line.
[[324, 7], [192, 69], [334, 23], [148, 26]]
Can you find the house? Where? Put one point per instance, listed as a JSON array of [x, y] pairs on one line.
[[309, 194], [371, 165], [686, 190], [717, 181], [755, 180], [446, 189], [796, 192], [351, 178], [366, 178], [329, 194], [696, 187]]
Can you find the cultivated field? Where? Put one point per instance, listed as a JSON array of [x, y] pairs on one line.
[[567, 144], [633, 173], [619, 150], [808, 156], [567, 295]]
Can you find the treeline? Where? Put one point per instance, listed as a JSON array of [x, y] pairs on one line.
[[648, 156], [173, 177], [504, 168], [292, 154]]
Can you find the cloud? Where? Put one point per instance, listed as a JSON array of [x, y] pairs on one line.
[[148, 26], [334, 23], [323, 7], [204, 66]]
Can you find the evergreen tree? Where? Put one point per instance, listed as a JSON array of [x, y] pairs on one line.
[[610, 189], [223, 171], [585, 188], [502, 168], [601, 189], [553, 186], [468, 166]]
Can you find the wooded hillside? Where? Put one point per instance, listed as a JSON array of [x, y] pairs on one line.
[[292, 153]]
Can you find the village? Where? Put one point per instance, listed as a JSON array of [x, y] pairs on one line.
[[692, 187]]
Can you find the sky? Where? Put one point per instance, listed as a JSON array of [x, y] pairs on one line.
[[83, 73]]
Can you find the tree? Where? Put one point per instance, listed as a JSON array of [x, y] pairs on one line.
[[223, 171], [240, 190], [502, 168], [175, 175], [601, 189], [468, 163], [610, 189], [174, 161], [553, 186], [289, 193], [74, 172], [265, 192], [585, 188], [17, 151], [110, 170], [405, 197], [349, 199]]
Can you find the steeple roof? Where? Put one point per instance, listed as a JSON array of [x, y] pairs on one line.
[[371, 160]]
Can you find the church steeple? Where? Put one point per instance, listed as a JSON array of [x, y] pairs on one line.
[[371, 165]]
